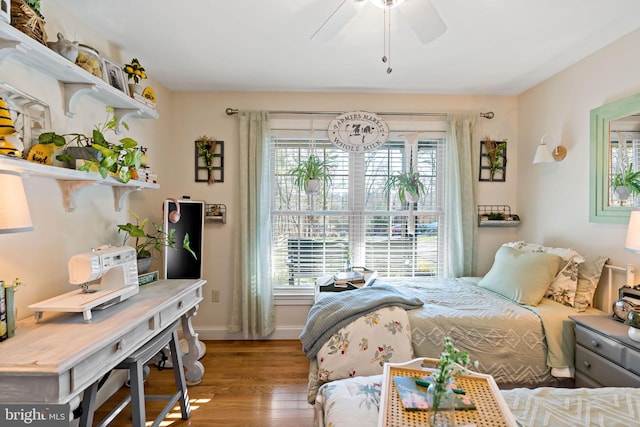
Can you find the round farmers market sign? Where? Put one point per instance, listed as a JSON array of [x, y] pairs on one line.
[[358, 131]]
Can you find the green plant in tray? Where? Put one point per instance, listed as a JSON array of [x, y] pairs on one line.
[[121, 159]]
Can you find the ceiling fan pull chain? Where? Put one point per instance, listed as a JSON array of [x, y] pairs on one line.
[[389, 69], [384, 35]]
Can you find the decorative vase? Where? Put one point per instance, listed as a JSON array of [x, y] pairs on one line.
[[135, 88], [313, 186], [634, 333], [441, 406]]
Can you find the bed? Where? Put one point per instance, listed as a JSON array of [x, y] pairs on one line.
[[523, 338], [356, 401]]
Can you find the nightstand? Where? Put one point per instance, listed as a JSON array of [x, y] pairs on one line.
[[605, 355]]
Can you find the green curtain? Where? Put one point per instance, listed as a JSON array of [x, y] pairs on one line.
[[461, 207], [252, 305]]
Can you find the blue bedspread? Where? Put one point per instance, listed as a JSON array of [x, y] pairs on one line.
[[334, 311]]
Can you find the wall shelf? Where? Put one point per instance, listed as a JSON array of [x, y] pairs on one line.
[[71, 181], [76, 81], [485, 212], [215, 212]]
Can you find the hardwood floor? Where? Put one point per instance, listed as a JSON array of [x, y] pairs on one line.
[[246, 383]]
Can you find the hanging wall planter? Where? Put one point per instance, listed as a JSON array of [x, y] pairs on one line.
[[209, 160], [493, 160]]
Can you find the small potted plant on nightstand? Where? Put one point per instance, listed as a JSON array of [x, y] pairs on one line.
[[633, 320]]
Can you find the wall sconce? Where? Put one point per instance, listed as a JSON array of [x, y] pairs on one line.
[[632, 242], [14, 209], [544, 156]]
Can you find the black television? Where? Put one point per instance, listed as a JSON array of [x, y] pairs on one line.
[[179, 263]]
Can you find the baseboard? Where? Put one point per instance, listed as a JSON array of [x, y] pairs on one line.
[[281, 333]]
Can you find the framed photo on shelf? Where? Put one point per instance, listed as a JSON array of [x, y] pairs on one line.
[[114, 75]]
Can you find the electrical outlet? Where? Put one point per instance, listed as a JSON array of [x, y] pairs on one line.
[[215, 295]]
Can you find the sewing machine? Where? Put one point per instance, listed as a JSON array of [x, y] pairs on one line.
[[117, 269]]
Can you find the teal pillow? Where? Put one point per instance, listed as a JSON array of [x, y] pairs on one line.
[[523, 277]]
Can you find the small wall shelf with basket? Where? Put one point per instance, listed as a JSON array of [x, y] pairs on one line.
[[497, 216], [215, 212]]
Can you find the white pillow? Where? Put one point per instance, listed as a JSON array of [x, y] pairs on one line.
[[366, 344], [565, 253], [563, 288]]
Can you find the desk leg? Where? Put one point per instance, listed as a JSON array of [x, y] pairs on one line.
[[194, 368]]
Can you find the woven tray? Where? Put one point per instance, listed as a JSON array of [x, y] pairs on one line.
[[492, 411]]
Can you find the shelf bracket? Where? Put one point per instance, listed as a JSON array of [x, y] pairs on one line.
[[71, 93], [7, 48], [119, 194], [69, 189], [124, 114]]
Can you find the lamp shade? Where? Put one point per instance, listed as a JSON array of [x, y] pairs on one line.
[[542, 154], [14, 209], [632, 243]]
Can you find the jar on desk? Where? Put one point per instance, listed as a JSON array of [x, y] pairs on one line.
[[89, 60]]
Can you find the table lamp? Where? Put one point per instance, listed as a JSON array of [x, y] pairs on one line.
[[14, 209]]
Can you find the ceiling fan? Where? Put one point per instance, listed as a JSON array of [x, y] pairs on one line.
[[419, 14]]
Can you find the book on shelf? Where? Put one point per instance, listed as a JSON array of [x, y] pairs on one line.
[[3, 314], [413, 394], [144, 100]]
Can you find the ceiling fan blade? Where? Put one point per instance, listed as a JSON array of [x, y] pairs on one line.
[[337, 20], [423, 18]]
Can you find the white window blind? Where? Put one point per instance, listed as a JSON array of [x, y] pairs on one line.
[[353, 218]]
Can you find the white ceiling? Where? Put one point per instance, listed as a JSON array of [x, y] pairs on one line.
[[496, 47]]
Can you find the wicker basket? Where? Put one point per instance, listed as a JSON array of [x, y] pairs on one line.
[[28, 21]]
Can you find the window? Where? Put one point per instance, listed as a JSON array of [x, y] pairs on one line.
[[353, 219]]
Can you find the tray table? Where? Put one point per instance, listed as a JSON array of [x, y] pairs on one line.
[[491, 409]]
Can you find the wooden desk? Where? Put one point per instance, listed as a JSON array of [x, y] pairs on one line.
[[54, 360]]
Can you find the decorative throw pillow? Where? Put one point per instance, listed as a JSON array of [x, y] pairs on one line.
[[523, 277], [565, 253], [589, 273], [363, 346], [563, 287]]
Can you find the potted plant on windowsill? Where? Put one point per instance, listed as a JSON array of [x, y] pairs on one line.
[[626, 183], [149, 245], [121, 159], [408, 185], [309, 173]]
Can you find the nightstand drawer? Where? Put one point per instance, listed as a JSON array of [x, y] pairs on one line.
[[599, 344], [632, 361], [602, 370]]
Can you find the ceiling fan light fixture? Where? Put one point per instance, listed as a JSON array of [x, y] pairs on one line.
[[386, 3]]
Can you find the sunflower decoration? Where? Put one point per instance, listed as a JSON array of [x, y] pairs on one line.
[[135, 71]]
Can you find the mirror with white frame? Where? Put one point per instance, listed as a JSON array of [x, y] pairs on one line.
[[615, 160]]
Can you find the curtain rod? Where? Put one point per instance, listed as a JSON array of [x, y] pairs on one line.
[[234, 111]]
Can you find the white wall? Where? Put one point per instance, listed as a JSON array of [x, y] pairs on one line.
[[555, 197], [195, 114]]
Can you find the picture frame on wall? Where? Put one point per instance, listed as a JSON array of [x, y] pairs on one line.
[[114, 75]]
